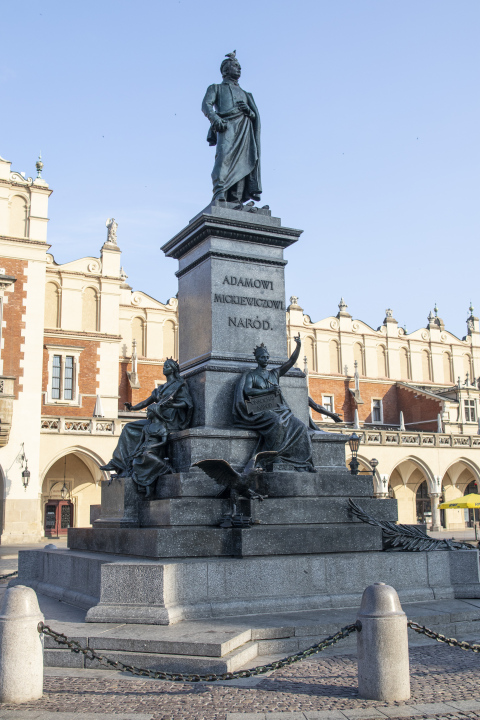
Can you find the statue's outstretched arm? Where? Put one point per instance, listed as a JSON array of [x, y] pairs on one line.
[[293, 357], [320, 409], [140, 405]]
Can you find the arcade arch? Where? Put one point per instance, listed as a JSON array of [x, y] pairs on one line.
[[80, 473]]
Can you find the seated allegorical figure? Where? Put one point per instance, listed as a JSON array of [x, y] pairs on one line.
[[259, 405], [141, 452]]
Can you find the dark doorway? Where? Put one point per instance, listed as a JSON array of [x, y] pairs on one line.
[[424, 505], [58, 517], [473, 514]]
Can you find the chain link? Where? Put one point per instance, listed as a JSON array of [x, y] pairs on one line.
[[3, 577], [453, 642], [92, 654]]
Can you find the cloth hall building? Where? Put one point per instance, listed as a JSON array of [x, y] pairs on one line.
[[77, 343]]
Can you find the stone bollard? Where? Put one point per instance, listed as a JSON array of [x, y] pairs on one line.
[[21, 646], [382, 645]]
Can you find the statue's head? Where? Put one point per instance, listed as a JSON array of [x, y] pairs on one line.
[[171, 367], [261, 355], [230, 67]]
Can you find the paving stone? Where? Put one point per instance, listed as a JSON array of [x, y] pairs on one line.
[[464, 705], [363, 714], [325, 715]]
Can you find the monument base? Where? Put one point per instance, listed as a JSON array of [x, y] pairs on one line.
[[122, 589]]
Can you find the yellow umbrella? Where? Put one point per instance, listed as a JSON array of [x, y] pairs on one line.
[[467, 501]]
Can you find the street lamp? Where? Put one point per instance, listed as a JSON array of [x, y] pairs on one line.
[[26, 475], [354, 443], [374, 464]]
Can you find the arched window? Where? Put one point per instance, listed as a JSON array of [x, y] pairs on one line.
[[18, 217], [382, 361], [426, 366], [467, 365], [404, 365], [358, 356], [138, 334], [334, 356], [310, 353], [52, 305], [90, 310], [447, 368], [169, 344]]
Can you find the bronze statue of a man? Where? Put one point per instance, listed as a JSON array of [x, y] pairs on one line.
[[235, 130]]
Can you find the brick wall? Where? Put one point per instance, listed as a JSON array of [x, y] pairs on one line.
[[419, 408], [394, 399], [87, 379], [13, 309], [148, 375]]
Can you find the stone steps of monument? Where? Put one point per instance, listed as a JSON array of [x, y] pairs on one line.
[[234, 643], [155, 661]]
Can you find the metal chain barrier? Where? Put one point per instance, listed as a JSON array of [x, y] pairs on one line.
[[453, 642], [3, 577], [92, 654]]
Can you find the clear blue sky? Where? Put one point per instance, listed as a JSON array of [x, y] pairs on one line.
[[370, 136]]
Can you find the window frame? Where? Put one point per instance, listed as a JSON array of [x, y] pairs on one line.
[[380, 401], [469, 408], [63, 352], [325, 405]]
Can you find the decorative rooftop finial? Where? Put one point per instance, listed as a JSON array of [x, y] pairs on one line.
[[405, 328], [431, 317], [342, 305], [471, 308], [436, 310], [39, 165], [389, 312], [112, 230]]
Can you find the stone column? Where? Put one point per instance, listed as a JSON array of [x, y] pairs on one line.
[[382, 646], [436, 524], [21, 647]]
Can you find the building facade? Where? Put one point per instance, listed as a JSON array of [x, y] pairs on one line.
[[413, 398], [77, 342]]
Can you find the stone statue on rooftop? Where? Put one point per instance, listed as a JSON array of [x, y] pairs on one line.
[[235, 130], [112, 230]]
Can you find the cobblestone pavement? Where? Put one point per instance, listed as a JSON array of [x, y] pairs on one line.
[[438, 674]]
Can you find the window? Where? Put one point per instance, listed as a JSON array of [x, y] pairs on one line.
[[470, 411], [64, 369], [68, 385], [56, 376], [377, 411], [328, 403]]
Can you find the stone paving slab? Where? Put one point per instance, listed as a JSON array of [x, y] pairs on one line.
[[28, 715]]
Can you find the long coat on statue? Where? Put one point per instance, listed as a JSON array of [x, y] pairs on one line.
[[238, 148]]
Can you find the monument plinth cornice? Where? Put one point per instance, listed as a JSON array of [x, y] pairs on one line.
[[207, 225]]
